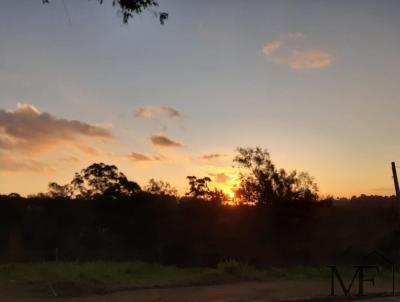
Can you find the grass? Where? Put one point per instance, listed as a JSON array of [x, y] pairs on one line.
[[89, 277], [76, 278]]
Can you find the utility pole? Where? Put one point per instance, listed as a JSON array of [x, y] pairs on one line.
[[396, 181]]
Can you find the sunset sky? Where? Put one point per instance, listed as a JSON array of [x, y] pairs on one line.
[[314, 82]]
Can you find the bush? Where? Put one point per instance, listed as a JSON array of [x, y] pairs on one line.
[[236, 268]]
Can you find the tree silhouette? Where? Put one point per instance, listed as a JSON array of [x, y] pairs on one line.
[[14, 195], [261, 182], [160, 187], [59, 191], [129, 8], [198, 187], [96, 180]]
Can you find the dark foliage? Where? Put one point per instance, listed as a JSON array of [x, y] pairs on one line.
[[101, 214], [198, 189], [96, 180], [261, 182], [129, 8], [160, 187], [190, 231]]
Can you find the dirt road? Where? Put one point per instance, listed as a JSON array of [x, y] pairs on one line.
[[242, 292]]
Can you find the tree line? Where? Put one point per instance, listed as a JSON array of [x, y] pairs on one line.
[[101, 214], [260, 183]]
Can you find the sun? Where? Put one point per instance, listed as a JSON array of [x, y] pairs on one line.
[[231, 195]]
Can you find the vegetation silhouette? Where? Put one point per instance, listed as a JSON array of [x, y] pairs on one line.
[[199, 189], [160, 188], [102, 215], [97, 180], [262, 183], [129, 8]]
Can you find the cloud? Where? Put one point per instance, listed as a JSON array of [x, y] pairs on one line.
[[9, 164], [286, 51], [5, 143], [152, 111], [296, 35], [139, 157], [29, 130], [70, 160], [220, 177], [310, 59], [272, 46], [212, 156], [89, 150], [163, 141]]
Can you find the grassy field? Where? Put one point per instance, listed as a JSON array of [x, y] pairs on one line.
[[76, 278]]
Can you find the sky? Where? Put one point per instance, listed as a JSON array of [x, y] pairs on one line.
[[314, 82]]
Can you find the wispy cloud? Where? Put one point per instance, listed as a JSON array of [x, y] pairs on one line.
[[140, 157], [5, 142], [152, 111], [29, 130], [220, 177], [160, 115], [10, 164], [164, 141], [287, 50], [70, 160], [91, 151], [296, 35], [212, 156], [272, 46], [310, 59]]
